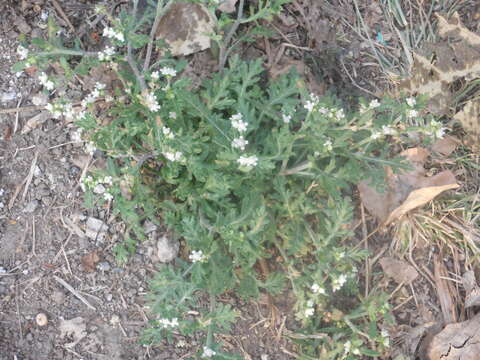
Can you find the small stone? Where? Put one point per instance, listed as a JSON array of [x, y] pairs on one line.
[[115, 319], [95, 229], [8, 96], [41, 319], [167, 249], [109, 297], [58, 297], [149, 227], [31, 206], [103, 266]]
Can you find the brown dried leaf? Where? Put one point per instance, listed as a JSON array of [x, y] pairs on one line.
[[457, 341], [458, 56], [398, 270], [36, 121], [89, 261], [227, 6], [469, 117], [445, 146], [406, 190], [186, 28], [424, 195]]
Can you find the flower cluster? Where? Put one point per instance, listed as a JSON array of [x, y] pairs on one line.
[[248, 161], [238, 123], [168, 71], [168, 132], [173, 156], [239, 143], [46, 82], [310, 310], [60, 109], [113, 34], [99, 186], [436, 129], [94, 95], [328, 145], [349, 348], [197, 256], [151, 102], [337, 283], [166, 323], [22, 52], [311, 103], [208, 353], [106, 54], [286, 118], [317, 289]]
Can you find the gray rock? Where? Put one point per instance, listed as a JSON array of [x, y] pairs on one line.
[[149, 227], [8, 96], [103, 266], [167, 249], [31, 206], [95, 229]]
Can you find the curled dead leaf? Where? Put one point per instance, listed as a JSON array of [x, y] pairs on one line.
[[89, 261], [398, 270], [469, 117], [457, 341]]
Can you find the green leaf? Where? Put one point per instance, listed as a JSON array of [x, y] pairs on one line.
[[138, 40], [248, 287]]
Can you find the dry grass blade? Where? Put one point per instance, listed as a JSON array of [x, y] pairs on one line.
[[444, 292]]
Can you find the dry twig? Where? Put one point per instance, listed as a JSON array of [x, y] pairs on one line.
[[74, 292]]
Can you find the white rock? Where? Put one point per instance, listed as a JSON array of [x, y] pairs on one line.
[[167, 249]]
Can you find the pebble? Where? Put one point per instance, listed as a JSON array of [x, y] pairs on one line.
[[95, 229], [149, 227], [167, 249], [109, 297], [31, 206], [103, 266]]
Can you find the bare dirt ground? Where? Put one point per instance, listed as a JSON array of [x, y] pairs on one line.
[[56, 255]]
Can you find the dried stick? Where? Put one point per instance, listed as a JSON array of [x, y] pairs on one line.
[[74, 292], [30, 175]]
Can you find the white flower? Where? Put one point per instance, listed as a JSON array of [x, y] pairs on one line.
[[340, 114], [151, 102], [317, 289], [248, 160], [376, 135], [286, 118], [46, 83], [328, 145], [107, 180], [168, 71], [374, 104], [323, 110], [238, 123], [412, 113], [90, 148], [155, 75], [196, 256], [309, 312], [388, 130], [100, 86], [411, 101], [173, 156], [363, 109], [168, 132], [77, 135], [356, 351], [22, 52], [106, 55], [311, 103], [99, 189], [107, 196], [112, 34], [168, 323], [239, 143], [440, 133], [338, 283], [208, 353], [347, 346], [172, 115]]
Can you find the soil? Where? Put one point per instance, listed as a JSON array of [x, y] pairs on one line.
[[51, 264]]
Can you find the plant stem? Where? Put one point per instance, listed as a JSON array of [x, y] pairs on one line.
[[59, 51], [223, 49], [131, 61]]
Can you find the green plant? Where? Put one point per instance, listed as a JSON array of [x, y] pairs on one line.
[[242, 169]]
